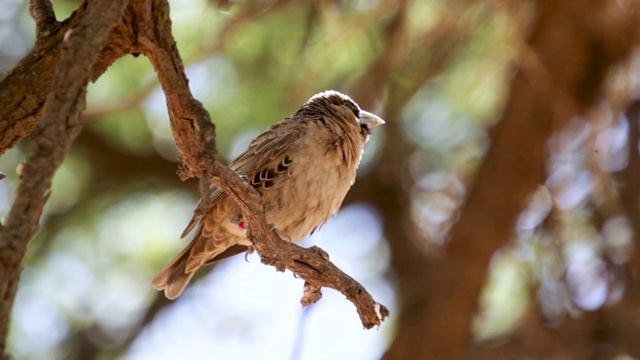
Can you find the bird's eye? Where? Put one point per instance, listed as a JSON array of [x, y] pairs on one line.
[[353, 108]]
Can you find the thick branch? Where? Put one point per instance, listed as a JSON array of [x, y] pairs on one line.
[[310, 264], [25, 88], [51, 141]]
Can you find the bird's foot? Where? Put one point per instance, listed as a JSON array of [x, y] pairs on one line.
[[324, 254], [281, 234]]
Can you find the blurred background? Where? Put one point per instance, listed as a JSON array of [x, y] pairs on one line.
[[558, 284]]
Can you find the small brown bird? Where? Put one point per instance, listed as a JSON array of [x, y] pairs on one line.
[[302, 167]]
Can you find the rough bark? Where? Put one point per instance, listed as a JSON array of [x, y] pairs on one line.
[[52, 139], [25, 88]]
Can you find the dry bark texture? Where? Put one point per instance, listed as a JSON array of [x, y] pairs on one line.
[[60, 111], [46, 92]]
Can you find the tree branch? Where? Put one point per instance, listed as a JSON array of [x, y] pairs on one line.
[[42, 13], [59, 127], [24, 90], [311, 264], [195, 137], [190, 122]]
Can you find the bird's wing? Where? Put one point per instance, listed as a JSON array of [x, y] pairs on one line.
[[269, 145]]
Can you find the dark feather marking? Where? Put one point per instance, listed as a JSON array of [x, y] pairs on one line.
[[284, 164], [255, 182], [269, 174], [266, 176]]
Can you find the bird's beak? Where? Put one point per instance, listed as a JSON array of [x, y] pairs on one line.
[[369, 119]]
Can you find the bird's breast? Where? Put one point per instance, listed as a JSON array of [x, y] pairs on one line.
[[313, 189]]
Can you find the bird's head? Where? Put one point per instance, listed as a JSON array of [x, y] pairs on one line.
[[336, 104]]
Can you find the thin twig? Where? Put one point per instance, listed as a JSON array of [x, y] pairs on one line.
[[42, 13]]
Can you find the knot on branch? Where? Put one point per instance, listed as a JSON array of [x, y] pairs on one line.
[[312, 293]]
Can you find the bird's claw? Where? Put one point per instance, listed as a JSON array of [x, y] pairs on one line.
[[281, 234], [324, 254], [250, 250]]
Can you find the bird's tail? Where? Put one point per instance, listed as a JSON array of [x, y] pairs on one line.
[[174, 277], [177, 274]]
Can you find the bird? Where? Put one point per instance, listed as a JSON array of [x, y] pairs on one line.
[[302, 167]]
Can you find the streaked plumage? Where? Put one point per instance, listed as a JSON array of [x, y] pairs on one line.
[[302, 167]]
